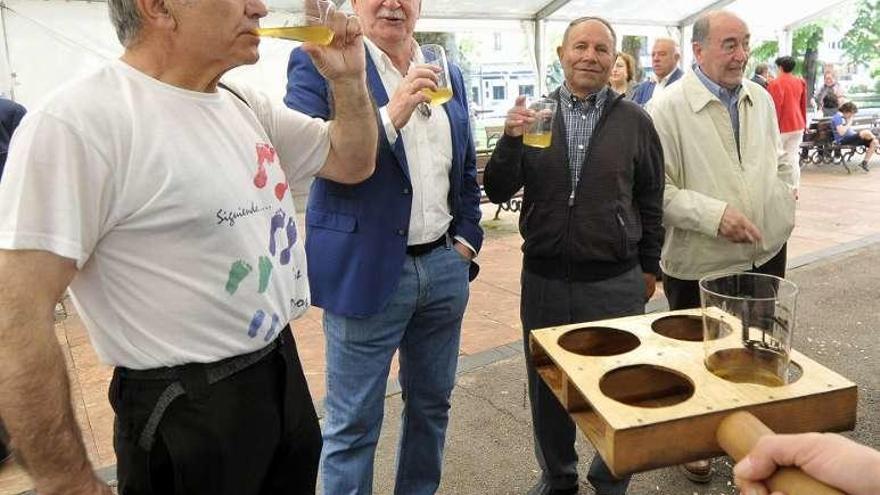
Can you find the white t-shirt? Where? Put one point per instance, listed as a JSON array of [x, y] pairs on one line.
[[174, 205]]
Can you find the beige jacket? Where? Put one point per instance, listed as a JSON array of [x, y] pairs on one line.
[[704, 174]]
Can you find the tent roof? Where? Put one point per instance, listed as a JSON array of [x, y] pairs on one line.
[[779, 15]]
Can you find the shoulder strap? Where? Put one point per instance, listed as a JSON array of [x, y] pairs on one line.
[[234, 93]]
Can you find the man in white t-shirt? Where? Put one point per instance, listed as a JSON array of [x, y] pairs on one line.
[[164, 203]]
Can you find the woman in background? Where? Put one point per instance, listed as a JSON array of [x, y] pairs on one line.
[[622, 74]]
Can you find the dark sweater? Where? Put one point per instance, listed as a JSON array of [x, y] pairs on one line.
[[613, 222]]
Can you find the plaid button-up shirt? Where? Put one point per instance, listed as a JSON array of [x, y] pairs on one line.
[[580, 117]]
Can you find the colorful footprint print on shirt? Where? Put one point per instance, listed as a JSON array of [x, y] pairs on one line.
[[237, 273]]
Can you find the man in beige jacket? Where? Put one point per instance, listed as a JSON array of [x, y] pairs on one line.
[[729, 203]]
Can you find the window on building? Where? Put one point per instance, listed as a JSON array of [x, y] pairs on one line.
[[499, 93], [527, 90]]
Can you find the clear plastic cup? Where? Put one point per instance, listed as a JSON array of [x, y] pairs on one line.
[[748, 323], [435, 55], [540, 133], [308, 22]]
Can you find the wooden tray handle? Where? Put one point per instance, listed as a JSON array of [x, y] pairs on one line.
[[740, 431]]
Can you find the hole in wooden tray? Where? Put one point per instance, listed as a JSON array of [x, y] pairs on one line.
[[645, 385], [688, 327], [756, 366], [598, 341]]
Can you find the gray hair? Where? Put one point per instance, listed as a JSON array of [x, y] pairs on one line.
[[701, 28], [664, 39], [591, 18], [126, 19]]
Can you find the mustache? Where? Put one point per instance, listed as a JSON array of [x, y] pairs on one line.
[[391, 14]]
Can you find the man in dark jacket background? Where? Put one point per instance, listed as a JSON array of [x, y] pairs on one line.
[[591, 225]]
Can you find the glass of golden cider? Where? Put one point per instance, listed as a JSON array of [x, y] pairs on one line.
[[748, 322], [308, 21], [435, 55], [539, 133]]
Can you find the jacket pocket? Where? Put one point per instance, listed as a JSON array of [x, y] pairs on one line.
[[621, 233], [543, 226], [339, 222], [779, 215], [630, 231]]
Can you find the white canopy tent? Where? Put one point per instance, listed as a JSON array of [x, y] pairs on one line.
[[47, 42]]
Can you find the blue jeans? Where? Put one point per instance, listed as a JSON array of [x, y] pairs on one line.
[[422, 320]]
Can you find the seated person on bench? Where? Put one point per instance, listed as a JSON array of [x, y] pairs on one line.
[[844, 134]]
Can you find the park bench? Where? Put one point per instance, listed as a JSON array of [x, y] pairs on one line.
[[513, 205], [818, 146]]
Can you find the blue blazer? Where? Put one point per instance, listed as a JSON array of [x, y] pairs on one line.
[[356, 234], [644, 91], [11, 114]]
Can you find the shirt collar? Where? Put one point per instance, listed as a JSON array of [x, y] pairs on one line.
[[661, 82], [383, 61], [598, 98], [716, 89]]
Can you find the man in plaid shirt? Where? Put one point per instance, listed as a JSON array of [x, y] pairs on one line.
[[592, 204]]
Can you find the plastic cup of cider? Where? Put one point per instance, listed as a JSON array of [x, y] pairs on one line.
[[748, 323], [309, 23], [539, 134], [435, 55]]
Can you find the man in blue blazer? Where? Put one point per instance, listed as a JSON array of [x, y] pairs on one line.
[[390, 259], [11, 114], [665, 57]]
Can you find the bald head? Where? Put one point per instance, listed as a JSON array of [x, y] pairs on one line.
[[721, 47], [582, 20]]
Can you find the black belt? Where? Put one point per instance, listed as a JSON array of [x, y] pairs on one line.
[[193, 379], [420, 249]]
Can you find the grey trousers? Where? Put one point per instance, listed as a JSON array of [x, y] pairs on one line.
[[548, 302]]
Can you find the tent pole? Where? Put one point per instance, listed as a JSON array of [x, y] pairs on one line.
[[540, 27]]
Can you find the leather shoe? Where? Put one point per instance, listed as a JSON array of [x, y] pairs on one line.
[[697, 471], [542, 490]]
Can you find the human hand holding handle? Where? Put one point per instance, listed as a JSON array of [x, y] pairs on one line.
[[745, 438], [830, 458]]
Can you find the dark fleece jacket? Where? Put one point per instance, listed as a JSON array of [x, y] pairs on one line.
[[613, 220]]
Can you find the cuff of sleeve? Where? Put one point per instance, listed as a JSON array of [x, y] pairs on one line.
[[462, 240], [712, 219], [510, 142], [650, 264], [390, 130]]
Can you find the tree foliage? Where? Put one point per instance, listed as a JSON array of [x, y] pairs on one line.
[[805, 48], [766, 52], [861, 44]]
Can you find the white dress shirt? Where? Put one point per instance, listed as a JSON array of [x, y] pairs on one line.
[[661, 84], [427, 142]]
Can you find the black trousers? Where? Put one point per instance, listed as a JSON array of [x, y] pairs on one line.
[[685, 294], [254, 432], [548, 302]]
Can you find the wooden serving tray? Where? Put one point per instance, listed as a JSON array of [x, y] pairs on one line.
[[638, 389]]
